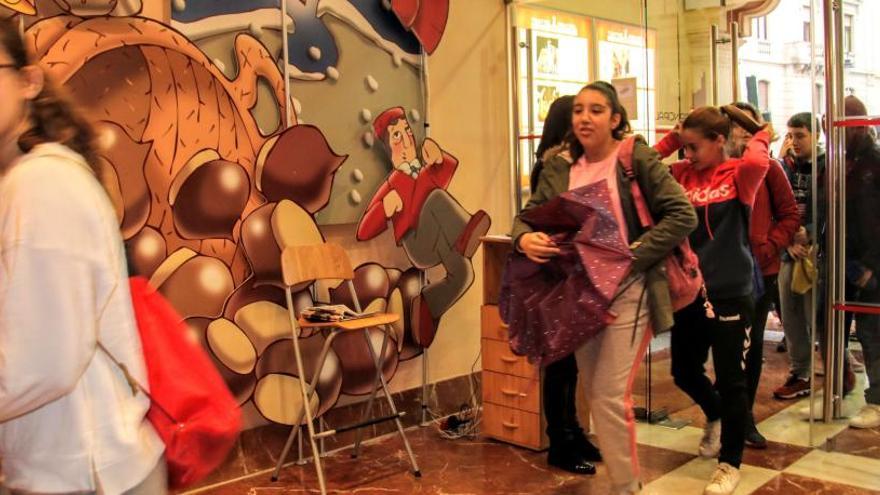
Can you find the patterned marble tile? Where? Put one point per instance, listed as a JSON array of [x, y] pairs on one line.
[[461, 467], [777, 456], [791, 484], [685, 440], [864, 443], [258, 449], [693, 476], [846, 469], [791, 425]]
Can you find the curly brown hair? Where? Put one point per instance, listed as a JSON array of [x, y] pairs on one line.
[[53, 117]]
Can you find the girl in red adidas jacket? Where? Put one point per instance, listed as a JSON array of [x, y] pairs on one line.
[[723, 191]]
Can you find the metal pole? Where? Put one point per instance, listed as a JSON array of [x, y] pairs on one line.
[[815, 208], [530, 81], [288, 108], [425, 387], [734, 52], [840, 333], [512, 48], [833, 319], [713, 62]]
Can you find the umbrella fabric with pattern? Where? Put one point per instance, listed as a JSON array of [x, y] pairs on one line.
[[555, 307]]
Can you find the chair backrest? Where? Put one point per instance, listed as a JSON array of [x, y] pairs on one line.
[[315, 262]]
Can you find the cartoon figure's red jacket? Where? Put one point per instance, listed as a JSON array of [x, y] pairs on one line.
[[413, 193]]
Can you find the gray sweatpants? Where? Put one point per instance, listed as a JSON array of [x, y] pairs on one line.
[[609, 363], [797, 310]]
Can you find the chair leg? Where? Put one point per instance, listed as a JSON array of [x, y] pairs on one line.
[[294, 431], [374, 389], [378, 361], [306, 395]]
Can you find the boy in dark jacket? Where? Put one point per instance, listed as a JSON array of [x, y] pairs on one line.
[[797, 154]]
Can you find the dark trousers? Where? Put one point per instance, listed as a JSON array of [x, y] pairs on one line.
[[728, 336], [868, 334], [560, 390], [755, 358]]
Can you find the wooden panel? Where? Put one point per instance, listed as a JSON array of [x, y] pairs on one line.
[[377, 320], [492, 326], [513, 426], [495, 251], [512, 391], [314, 262], [498, 357]]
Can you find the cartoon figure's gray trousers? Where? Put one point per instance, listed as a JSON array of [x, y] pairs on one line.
[[432, 243]]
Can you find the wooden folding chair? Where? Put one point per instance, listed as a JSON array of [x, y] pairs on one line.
[[321, 262]]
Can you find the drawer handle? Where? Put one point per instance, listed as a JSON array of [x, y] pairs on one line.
[[512, 393], [511, 426], [509, 360]]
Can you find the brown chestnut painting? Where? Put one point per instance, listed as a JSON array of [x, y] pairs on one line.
[[215, 163]]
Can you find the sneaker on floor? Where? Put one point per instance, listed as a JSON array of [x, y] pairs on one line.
[[793, 388], [754, 439], [868, 417], [710, 445], [724, 480]]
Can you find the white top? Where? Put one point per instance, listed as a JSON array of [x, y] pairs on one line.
[[68, 420]]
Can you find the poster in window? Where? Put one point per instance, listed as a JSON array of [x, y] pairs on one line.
[[546, 92], [560, 57], [547, 50], [625, 56], [628, 95]]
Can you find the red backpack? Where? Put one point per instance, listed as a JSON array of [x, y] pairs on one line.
[[190, 406], [682, 265]]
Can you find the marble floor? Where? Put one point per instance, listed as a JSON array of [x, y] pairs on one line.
[[836, 460]]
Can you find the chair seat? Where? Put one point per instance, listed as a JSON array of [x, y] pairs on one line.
[[375, 320]]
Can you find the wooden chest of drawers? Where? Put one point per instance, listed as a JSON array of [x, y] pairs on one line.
[[512, 407]]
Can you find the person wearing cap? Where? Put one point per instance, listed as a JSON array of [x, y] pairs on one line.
[[427, 221]]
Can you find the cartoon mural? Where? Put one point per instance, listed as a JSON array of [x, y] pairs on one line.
[[210, 183], [430, 225]]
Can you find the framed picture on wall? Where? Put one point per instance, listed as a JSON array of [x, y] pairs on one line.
[[625, 57], [546, 92], [560, 57], [628, 94]]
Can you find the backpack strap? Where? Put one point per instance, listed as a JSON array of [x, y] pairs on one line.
[[624, 156]]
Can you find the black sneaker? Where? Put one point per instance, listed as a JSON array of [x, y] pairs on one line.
[[754, 439]]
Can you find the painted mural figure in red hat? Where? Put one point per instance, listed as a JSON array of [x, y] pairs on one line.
[[428, 222]]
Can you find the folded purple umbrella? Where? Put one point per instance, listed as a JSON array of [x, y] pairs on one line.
[[554, 308]]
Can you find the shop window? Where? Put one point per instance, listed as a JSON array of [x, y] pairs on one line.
[[848, 33], [759, 27], [763, 95], [808, 28]]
